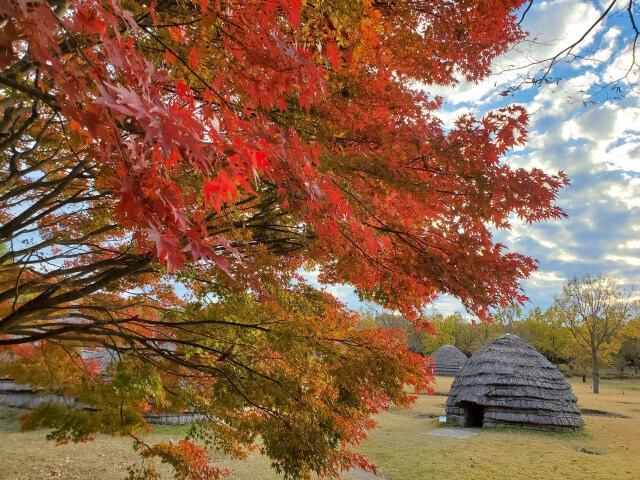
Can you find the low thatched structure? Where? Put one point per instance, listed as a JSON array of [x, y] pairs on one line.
[[448, 361], [507, 382], [20, 395]]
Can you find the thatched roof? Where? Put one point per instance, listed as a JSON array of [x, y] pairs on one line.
[[508, 382], [448, 360], [21, 395], [7, 385], [103, 356]]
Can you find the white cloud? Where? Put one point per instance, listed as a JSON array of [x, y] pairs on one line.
[[625, 156], [449, 116], [604, 52], [630, 245], [447, 305], [633, 261], [628, 192], [557, 24], [540, 278], [618, 69]]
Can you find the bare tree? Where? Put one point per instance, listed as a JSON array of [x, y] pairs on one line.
[[545, 71], [594, 309]]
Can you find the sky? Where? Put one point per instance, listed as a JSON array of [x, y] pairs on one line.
[[578, 125]]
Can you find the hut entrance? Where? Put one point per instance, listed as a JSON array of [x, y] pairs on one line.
[[473, 414]]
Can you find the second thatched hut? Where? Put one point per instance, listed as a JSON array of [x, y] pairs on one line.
[[448, 360], [508, 382]]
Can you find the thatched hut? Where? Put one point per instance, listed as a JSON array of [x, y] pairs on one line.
[[448, 361], [20, 395], [508, 382]]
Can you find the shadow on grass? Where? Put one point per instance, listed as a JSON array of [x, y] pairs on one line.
[[539, 432]]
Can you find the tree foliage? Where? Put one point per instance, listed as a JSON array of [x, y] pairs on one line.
[[545, 331], [595, 309], [541, 328], [629, 353], [223, 145], [413, 337], [293, 371]]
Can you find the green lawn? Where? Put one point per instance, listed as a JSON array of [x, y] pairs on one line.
[[608, 448]]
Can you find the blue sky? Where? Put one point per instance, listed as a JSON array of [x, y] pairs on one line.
[[590, 132]]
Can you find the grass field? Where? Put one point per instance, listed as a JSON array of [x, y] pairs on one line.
[[608, 448]]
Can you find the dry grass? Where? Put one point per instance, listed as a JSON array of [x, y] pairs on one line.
[[399, 446], [402, 450]]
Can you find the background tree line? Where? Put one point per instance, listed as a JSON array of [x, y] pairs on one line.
[[557, 332]]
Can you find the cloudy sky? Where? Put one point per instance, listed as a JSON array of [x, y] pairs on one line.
[[584, 125]]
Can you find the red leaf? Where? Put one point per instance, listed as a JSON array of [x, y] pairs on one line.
[[153, 13], [174, 158], [295, 11], [182, 90], [261, 160], [194, 58], [221, 189], [169, 57], [207, 95], [204, 6], [333, 54]]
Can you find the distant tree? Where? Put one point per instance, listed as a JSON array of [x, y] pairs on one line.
[[446, 332], [545, 331], [455, 330], [413, 338], [509, 315], [595, 309], [579, 358], [485, 332], [629, 353], [541, 328]]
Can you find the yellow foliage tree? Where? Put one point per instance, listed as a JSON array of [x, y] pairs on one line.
[[595, 309]]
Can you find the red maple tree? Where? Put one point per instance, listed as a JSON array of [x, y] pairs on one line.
[[224, 145]]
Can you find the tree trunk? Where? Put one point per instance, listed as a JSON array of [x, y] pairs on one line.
[[595, 369]]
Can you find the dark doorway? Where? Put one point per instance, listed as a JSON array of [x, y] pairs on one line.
[[474, 415]]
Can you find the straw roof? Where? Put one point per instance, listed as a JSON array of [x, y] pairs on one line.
[[508, 382], [448, 360], [7, 385]]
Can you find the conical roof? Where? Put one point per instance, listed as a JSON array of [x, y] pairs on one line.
[[448, 360], [508, 381]]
